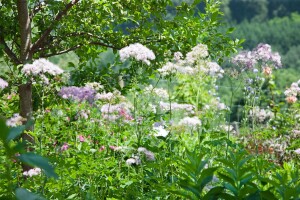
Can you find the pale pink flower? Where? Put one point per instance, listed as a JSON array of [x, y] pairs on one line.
[[81, 138], [291, 99], [64, 147], [297, 151], [3, 83], [32, 172], [267, 71], [102, 148]]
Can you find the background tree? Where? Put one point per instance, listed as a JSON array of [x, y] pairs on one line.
[[32, 29]]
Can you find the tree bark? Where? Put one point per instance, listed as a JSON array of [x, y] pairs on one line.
[[25, 30], [25, 90]]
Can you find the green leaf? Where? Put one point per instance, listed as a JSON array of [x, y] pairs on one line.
[[214, 193], [38, 161], [22, 194], [231, 188], [15, 132], [4, 130]]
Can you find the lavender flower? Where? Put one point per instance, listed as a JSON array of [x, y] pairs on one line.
[[78, 93], [262, 53], [148, 154], [3, 83], [138, 52]]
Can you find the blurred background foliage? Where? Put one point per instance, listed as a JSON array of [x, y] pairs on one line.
[[275, 22]]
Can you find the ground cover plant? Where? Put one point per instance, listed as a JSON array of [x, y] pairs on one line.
[[159, 130]]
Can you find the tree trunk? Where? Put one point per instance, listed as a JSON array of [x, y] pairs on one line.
[[25, 90]]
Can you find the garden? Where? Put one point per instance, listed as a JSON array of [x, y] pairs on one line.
[[141, 100]]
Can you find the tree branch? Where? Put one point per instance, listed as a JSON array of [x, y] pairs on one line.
[[77, 47], [58, 17], [9, 52]]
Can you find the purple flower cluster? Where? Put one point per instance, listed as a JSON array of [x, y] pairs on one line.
[[78, 93], [262, 53]]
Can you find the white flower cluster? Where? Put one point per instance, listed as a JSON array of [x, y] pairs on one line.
[[109, 96], [138, 52], [226, 127], [32, 172], [162, 93], [15, 120], [160, 131], [3, 83], [135, 160], [177, 56], [95, 86], [148, 154], [172, 68], [297, 151], [214, 69], [198, 52], [41, 66], [292, 92], [83, 114], [261, 114], [194, 62], [191, 122], [116, 111], [176, 106]]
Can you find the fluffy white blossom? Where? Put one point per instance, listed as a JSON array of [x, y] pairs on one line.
[[3, 83], [138, 52], [113, 112], [297, 151], [15, 120], [41, 66], [160, 92], [94, 85], [160, 131], [261, 114], [176, 106], [177, 56], [192, 122], [198, 52], [168, 69], [214, 69], [32, 172], [135, 160]]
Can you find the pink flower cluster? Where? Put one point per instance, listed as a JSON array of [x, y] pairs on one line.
[[261, 54], [292, 92], [3, 83]]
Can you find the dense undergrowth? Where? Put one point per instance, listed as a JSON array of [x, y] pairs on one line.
[[168, 139]]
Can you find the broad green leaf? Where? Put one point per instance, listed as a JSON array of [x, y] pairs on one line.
[[15, 132], [38, 161], [23, 194]]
